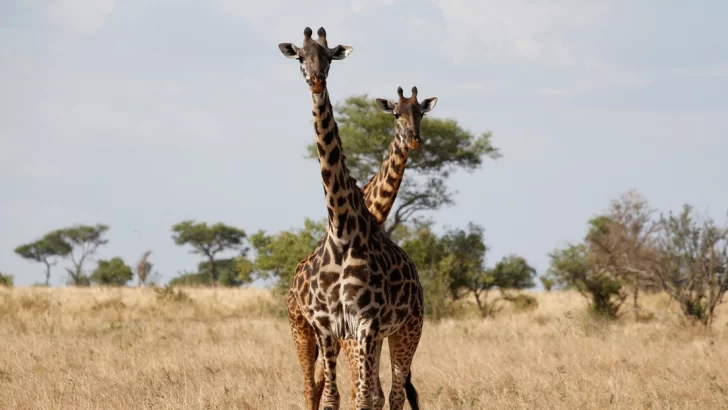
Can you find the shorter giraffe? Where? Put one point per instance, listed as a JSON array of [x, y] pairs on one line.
[[379, 196]]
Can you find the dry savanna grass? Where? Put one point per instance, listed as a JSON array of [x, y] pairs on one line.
[[231, 348]]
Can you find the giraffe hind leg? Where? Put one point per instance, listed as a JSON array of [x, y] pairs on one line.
[[350, 349], [402, 347]]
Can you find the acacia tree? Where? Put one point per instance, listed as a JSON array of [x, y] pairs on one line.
[[231, 272], [367, 132], [278, 255], [209, 241], [624, 240], [467, 250], [684, 255], [574, 267], [85, 241], [453, 265], [693, 263], [46, 250], [428, 253], [513, 272]]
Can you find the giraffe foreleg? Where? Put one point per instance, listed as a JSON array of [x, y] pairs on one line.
[[329, 349], [351, 351], [367, 366]]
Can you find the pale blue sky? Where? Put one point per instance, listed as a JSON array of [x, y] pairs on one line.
[[139, 114]]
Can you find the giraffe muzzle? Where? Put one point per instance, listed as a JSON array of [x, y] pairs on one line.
[[317, 83], [413, 142], [317, 87]]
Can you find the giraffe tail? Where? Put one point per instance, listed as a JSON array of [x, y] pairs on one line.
[[410, 392]]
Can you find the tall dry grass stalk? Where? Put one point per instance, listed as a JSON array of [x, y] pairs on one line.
[[230, 348]]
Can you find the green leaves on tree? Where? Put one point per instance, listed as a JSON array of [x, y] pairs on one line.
[[209, 241], [113, 272], [366, 133], [46, 250]]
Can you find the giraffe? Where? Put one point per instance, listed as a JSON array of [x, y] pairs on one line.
[[356, 284], [379, 196]]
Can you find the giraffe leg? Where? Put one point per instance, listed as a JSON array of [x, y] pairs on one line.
[[368, 347], [305, 340], [378, 399], [402, 346], [329, 349], [318, 375], [350, 349]]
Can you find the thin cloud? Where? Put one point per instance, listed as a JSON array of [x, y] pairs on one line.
[[279, 20], [514, 28], [719, 69], [77, 15], [593, 75]]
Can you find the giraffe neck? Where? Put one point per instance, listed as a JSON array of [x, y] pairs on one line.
[[381, 191], [343, 200]]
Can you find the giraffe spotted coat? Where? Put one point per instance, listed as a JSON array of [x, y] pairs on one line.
[[357, 284], [379, 196]]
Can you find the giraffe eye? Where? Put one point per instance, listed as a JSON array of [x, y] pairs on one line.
[[396, 115]]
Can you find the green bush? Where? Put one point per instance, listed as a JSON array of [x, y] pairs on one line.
[[113, 272], [6, 280]]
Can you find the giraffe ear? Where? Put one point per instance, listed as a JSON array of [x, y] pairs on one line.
[[340, 52], [289, 50], [385, 105], [428, 104]]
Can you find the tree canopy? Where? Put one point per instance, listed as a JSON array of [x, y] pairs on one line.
[[366, 133], [46, 250], [683, 254], [209, 241], [231, 272], [513, 272], [278, 255], [574, 266], [113, 272], [693, 262], [452, 266], [84, 241]]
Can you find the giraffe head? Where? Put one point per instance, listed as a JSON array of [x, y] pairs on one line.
[[408, 113], [315, 57]]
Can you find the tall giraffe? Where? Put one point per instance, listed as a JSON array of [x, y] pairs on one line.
[[379, 196], [357, 283]]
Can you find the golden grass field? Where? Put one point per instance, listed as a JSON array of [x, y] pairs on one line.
[[130, 348]]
